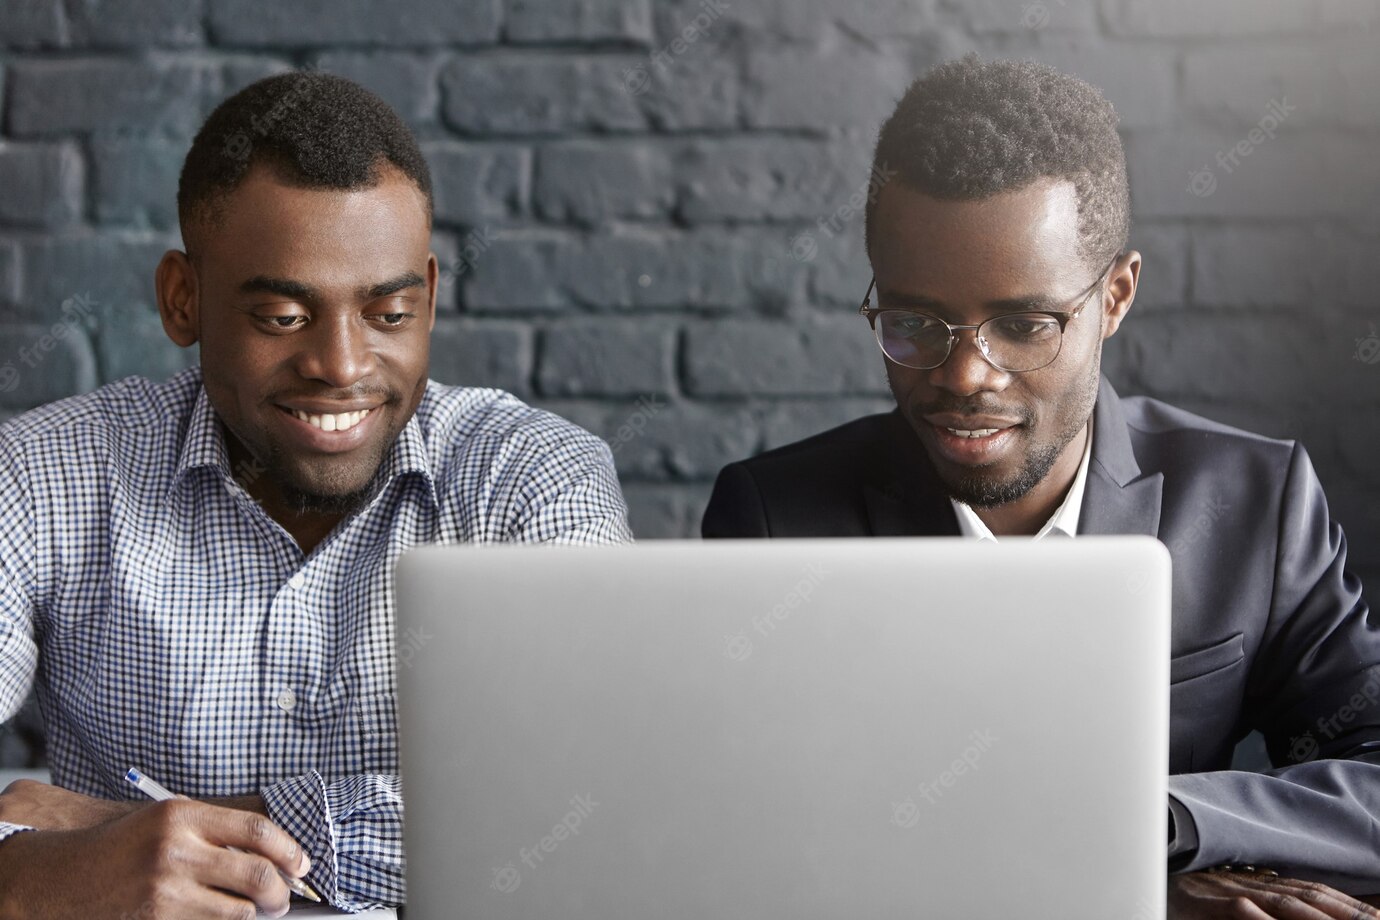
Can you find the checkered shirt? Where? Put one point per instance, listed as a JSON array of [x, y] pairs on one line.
[[169, 623]]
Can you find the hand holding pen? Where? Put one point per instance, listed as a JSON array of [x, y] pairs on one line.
[[158, 793], [168, 861]]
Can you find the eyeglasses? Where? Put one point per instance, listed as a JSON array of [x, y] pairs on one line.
[[1011, 342]]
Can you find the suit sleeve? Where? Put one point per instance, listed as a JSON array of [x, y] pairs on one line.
[[735, 508], [1315, 695]]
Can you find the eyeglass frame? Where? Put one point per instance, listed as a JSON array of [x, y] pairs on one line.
[[1063, 318]]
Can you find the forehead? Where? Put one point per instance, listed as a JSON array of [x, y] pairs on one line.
[[268, 226], [1033, 230]]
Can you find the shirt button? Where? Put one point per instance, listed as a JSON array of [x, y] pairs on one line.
[[298, 580], [286, 699]]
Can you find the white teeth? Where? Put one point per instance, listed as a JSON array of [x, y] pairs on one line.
[[974, 433], [342, 422]]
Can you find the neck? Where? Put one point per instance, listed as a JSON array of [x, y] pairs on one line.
[[307, 528]]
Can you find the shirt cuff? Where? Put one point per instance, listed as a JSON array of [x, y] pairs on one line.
[[299, 806], [9, 830], [1183, 835]]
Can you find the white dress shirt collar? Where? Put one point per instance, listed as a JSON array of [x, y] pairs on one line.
[[1064, 519]]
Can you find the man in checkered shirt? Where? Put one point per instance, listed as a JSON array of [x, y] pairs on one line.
[[196, 575]]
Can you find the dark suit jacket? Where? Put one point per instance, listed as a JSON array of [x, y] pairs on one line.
[[1269, 630]]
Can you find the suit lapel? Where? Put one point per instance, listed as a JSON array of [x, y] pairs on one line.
[[1118, 498], [903, 498]]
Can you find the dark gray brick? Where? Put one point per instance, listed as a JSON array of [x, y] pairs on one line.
[[135, 182], [805, 21], [1202, 173], [458, 257], [1252, 265], [589, 182], [110, 270], [777, 178], [405, 80], [1190, 19], [1164, 250], [1234, 86], [538, 269], [61, 96], [1003, 17], [476, 183], [687, 92], [130, 341], [43, 362], [9, 276], [655, 439], [28, 24], [43, 184], [800, 356], [592, 358], [788, 421], [837, 260], [134, 23], [482, 354], [318, 23], [821, 89], [1270, 359], [534, 94], [578, 21], [666, 512]]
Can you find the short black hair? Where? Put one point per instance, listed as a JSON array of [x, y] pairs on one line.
[[314, 129], [969, 129]]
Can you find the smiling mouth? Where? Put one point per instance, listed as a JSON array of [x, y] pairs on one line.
[[342, 421]]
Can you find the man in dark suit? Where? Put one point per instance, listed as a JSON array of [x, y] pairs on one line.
[[1000, 266]]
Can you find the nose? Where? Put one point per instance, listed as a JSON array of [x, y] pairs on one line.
[[966, 371], [336, 352]]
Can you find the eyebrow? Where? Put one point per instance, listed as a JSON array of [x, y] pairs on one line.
[[286, 287], [1007, 304]]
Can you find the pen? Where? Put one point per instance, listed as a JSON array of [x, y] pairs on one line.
[[156, 791]]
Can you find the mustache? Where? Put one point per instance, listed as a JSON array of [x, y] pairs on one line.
[[955, 407]]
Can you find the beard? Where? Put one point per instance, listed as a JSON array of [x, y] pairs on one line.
[[977, 488]]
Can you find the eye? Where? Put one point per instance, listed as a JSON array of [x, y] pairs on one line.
[[282, 322], [912, 324], [1026, 326], [393, 319]]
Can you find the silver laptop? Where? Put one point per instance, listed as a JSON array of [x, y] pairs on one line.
[[786, 729]]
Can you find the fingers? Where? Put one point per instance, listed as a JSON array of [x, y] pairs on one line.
[[1255, 896], [195, 841], [254, 834], [248, 875], [1289, 897]]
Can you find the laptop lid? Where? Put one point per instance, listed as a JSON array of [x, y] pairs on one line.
[[794, 729]]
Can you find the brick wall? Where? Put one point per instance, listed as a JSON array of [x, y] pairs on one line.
[[644, 208]]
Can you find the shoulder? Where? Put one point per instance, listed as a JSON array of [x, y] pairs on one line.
[[468, 425], [117, 416], [1175, 441]]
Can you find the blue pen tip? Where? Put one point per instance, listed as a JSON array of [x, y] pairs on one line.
[[132, 775]]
